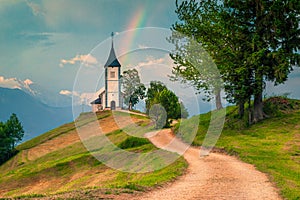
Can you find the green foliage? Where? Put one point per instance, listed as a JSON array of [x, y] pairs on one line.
[[11, 132], [132, 142], [279, 105], [133, 89], [163, 105], [184, 114], [199, 48], [251, 42]]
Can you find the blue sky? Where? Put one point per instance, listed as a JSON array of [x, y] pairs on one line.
[[36, 35], [43, 42]]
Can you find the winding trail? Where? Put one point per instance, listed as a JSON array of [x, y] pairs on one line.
[[216, 176]]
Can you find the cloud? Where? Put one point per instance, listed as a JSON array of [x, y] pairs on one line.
[[70, 13], [79, 98], [14, 83], [11, 83], [152, 61], [141, 46], [86, 60], [67, 93], [35, 8], [28, 82]]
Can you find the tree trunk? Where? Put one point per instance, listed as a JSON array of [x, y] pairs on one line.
[[219, 105], [130, 104], [241, 108], [258, 113]]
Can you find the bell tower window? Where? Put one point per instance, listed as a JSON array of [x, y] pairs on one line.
[[112, 74]]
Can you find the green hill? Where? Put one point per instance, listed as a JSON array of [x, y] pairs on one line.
[[272, 145], [57, 162]]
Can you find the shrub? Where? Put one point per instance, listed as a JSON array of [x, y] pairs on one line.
[[131, 142]]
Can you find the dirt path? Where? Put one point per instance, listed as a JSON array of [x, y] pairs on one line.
[[216, 176]]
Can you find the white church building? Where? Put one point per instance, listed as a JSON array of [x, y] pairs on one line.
[[110, 97]]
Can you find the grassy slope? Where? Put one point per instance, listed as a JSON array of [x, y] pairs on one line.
[[272, 145], [73, 168]]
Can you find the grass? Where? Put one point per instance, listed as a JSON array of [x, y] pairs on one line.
[[74, 168], [82, 120], [272, 145]]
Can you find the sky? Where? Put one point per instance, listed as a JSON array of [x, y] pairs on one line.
[[44, 42]]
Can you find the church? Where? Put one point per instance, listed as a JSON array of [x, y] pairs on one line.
[[110, 97]]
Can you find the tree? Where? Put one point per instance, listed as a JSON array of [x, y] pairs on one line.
[[11, 133], [156, 87], [199, 47], [271, 41], [162, 104], [133, 89], [183, 112], [196, 68], [250, 41]]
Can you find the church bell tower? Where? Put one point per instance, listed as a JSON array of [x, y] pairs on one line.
[[112, 80]]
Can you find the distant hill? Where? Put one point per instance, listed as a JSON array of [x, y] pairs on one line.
[[36, 117]]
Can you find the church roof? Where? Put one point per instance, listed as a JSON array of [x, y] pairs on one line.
[[97, 101], [112, 60]]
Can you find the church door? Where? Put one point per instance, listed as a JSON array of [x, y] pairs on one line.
[[113, 105]]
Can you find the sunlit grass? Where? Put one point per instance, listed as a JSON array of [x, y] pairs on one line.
[[272, 145], [73, 167]]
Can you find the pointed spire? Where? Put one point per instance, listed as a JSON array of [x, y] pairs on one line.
[[112, 39], [112, 60]]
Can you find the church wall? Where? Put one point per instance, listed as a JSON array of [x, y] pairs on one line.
[[113, 97], [113, 86]]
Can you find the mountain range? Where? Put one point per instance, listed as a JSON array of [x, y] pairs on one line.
[[35, 116]]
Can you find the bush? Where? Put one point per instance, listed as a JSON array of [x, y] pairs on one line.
[[277, 105], [131, 142]]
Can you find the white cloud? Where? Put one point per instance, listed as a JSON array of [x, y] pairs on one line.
[[11, 83], [152, 61], [79, 98], [86, 60], [14, 83], [28, 82], [154, 68], [141, 46], [68, 93], [82, 98]]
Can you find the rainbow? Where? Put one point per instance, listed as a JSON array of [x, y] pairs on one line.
[[127, 43]]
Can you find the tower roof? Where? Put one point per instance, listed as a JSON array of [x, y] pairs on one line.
[[112, 60]]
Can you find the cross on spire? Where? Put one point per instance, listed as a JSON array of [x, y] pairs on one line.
[[112, 39], [112, 59]]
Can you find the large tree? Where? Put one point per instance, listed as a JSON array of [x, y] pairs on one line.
[[194, 36], [133, 89], [250, 41], [271, 34]]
